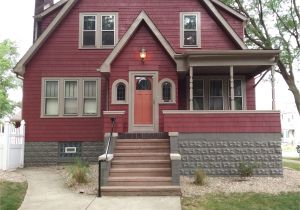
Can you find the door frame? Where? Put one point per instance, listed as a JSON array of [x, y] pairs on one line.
[[143, 128]]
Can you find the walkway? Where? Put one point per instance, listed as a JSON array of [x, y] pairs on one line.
[[46, 191]]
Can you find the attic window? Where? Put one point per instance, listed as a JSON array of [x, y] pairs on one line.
[[190, 29], [98, 30]]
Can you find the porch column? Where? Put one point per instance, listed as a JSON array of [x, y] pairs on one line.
[[232, 105], [273, 87], [191, 88]]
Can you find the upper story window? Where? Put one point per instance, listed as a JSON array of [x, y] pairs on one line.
[[74, 97], [98, 30], [190, 29]]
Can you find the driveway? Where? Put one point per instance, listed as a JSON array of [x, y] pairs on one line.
[[46, 191]]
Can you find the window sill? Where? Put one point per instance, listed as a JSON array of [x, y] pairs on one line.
[[119, 102], [167, 102], [70, 116]]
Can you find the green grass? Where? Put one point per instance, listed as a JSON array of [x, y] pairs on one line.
[[292, 165], [12, 194], [292, 158], [243, 201]]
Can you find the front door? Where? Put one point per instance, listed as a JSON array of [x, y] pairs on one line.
[[143, 100], [143, 103]]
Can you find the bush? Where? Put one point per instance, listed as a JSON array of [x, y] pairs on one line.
[[200, 177], [79, 171], [246, 170]]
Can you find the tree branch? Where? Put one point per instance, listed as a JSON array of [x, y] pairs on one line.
[[262, 22], [296, 10]]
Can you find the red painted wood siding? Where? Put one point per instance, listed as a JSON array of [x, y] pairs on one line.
[[234, 22], [48, 19], [223, 122], [157, 60]]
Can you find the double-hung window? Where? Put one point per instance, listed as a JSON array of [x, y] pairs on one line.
[[198, 93], [216, 95], [238, 95], [190, 29], [70, 97], [98, 30]]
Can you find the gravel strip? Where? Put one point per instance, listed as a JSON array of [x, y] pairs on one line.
[[290, 182], [12, 176]]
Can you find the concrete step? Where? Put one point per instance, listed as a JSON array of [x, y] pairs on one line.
[[141, 190], [143, 142], [140, 172], [141, 164], [139, 181], [142, 148], [142, 156]]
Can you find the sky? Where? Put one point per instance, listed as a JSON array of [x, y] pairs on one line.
[[19, 28]]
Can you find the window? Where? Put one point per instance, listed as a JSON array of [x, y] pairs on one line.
[[238, 95], [51, 98], [119, 93], [70, 97], [216, 95], [198, 93], [70, 100], [89, 30], [167, 91], [98, 30], [90, 97], [190, 29]]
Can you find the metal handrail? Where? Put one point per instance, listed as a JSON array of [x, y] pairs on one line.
[[113, 120]]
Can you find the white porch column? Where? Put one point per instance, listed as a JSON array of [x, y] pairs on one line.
[[273, 87], [232, 105], [191, 88]]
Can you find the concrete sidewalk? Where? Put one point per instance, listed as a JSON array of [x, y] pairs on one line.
[[46, 191]]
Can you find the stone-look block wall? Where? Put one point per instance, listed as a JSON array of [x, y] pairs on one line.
[[47, 153], [220, 154]]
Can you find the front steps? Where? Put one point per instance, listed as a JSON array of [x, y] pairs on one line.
[[141, 167]]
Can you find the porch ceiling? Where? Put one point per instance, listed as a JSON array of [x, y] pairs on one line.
[[250, 62]]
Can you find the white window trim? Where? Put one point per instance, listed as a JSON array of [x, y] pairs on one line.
[[198, 31], [173, 91], [114, 92], [64, 96], [80, 97], [98, 38]]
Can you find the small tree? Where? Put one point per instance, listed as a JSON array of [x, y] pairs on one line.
[[274, 24], [8, 55]]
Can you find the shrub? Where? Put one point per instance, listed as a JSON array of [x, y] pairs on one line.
[[246, 170], [200, 177], [79, 171]]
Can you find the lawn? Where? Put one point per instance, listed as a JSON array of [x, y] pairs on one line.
[[292, 158], [12, 194], [243, 201], [292, 165]]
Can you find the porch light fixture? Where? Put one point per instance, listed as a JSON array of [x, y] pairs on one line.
[[143, 54]]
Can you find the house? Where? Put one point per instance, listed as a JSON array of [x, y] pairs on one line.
[[175, 75]]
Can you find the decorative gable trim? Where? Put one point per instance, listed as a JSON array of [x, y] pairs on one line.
[[105, 67], [225, 24], [230, 10], [50, 9], [20, 67]]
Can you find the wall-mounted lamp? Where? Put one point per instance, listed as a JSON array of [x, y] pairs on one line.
[[143, 54]]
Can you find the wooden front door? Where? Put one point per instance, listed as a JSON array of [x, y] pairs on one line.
[[143, 100]]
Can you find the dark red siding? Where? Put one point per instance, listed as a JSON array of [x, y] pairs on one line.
[[219, 122], [250, 90], [234, 22]]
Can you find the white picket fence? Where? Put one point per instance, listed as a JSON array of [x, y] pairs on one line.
[[12, 146]]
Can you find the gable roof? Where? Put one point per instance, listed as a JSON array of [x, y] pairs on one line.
[[20, 67], [105, 67], [225, 24], [50, 9], [230, 10]]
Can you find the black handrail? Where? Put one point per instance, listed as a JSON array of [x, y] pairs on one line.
[[113, 120]]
